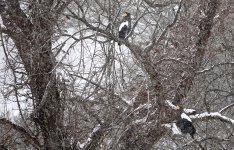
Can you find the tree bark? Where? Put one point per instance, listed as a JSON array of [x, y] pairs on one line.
[[205, 27], [33, 40]]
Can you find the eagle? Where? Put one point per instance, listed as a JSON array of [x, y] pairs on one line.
[[184, 123], [125, 26]]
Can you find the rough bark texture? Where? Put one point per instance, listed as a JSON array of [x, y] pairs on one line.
[[205, 27], [33, 39]]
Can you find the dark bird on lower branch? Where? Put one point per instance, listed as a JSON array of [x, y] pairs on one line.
[[184, 123]]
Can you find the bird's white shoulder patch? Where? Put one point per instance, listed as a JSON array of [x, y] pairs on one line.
[[123, 24], [184, 116], [189, 111]]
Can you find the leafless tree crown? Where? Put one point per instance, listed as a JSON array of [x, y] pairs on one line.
[[74, 88]]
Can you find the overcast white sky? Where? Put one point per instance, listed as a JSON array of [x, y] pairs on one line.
[[71, 55], [2, 64], [5, 106]]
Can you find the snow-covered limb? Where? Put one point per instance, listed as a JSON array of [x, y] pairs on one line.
[[214, 115], [225, 108], [173, 127], [186, 110], [212, 67], [139, 121], [189, 111], [171, 105], [91, 135], [143, 106]]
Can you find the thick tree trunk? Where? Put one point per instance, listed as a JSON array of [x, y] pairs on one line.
[[205, 27], [34, 44]]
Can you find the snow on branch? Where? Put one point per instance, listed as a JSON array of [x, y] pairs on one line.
[[171, 105], [189, 111], [213, 66], [173, 127], [93, 136], [225, 108], [214, 115], [186, 110]]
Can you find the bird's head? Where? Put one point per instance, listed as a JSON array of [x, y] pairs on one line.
[[126, 14], [179, 107]]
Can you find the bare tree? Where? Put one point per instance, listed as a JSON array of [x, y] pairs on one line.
[[32, 36], [87, 92]]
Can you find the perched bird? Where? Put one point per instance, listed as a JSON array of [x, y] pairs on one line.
[[184, 123], [125, 26]]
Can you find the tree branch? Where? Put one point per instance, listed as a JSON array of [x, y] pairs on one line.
[[213, 115], [225, 108], [205, 27], [154, 5], [155, 41], [22, 131]]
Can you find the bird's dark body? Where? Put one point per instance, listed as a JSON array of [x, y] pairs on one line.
[[123, 32], [186, 126], [125, 27]]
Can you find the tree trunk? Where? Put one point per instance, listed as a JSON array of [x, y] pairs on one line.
[[33, 40]]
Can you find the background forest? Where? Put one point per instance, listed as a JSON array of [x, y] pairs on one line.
[[72, 87]]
